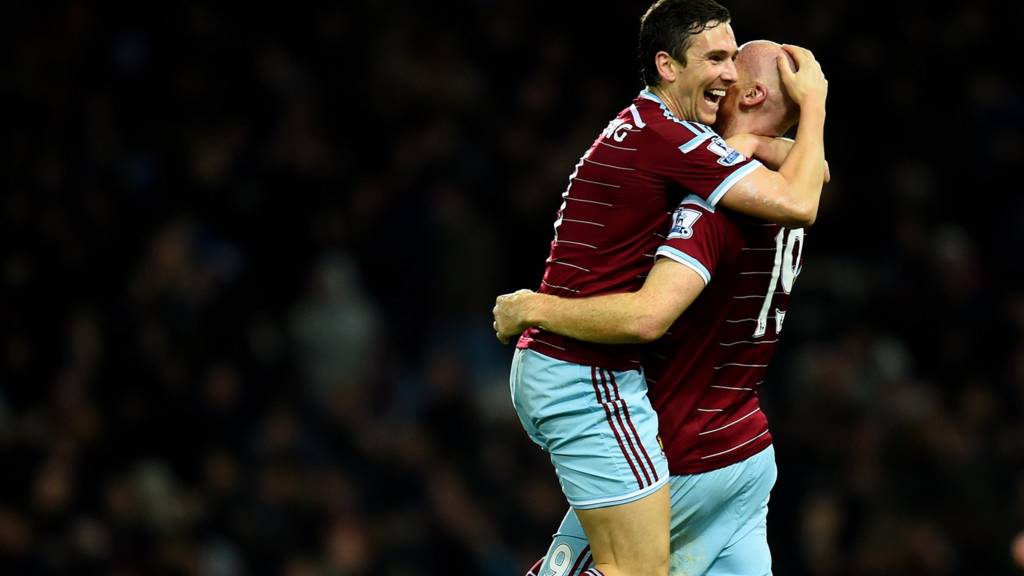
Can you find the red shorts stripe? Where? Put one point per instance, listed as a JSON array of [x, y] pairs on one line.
[[611, 424], [619, 402], [585, 553], [625, 409]]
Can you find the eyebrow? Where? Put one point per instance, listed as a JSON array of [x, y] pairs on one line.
[[724, 53]]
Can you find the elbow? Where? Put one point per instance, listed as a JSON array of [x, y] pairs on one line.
[[801, 215], [649, 328], [807, 216]]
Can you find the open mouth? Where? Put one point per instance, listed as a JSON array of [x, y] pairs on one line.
[[713, 97]]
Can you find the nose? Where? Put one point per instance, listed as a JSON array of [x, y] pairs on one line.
[[729, 73]]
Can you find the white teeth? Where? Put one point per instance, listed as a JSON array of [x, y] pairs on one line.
[[719, 93]]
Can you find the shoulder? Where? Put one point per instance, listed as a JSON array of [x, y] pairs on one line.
[[674, 131]]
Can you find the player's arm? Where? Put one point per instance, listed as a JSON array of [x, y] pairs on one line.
[[628, 318], [746, 144], [771, 152], [790, 196]]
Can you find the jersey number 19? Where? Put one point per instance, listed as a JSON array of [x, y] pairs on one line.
[[786, 267]]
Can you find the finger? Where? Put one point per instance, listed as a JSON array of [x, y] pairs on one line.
[[785, 64], [786, 71], [804, 59], [799, 54]]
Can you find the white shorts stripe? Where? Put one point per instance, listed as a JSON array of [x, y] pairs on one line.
[[631, 496]]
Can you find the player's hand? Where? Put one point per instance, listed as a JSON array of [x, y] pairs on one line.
[[510, 314], [806, 85]]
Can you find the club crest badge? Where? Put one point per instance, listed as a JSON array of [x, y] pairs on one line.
[[682, 223], [727, 156]]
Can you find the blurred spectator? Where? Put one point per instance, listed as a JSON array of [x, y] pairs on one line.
[[336, 327]]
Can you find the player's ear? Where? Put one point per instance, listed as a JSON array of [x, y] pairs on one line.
[[666, 66], [755, 94]]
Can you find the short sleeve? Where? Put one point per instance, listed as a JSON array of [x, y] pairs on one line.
[[700, 238], [705, 165], [691, 154]]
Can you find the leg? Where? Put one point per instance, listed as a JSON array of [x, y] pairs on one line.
[[601, 432], [748, 555], [714, 519], [701, 522], [630, 539], [747, 551]]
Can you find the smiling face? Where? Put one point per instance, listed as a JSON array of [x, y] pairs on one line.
[[700, 84]]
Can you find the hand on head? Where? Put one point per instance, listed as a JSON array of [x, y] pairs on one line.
[[806, 85]]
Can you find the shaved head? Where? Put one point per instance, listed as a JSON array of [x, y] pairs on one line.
[[758, 102], [758, 60]]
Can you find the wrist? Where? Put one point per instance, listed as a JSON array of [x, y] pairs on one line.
[[534, 310], [813, 110], [758, 146], [745, 144]]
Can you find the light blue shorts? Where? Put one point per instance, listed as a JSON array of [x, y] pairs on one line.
[[719, 524], [597, 425]]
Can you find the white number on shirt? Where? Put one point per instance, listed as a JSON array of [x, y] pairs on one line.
[[786, 266]]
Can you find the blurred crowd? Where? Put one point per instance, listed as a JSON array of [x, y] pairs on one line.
[[249, 253]]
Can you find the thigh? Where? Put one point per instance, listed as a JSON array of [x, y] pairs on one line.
[[632, 537], [748, 555], [629, 536], [702, 521], [747, 551], [597, 425]]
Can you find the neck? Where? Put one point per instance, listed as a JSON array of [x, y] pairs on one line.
[[670, 102], [748, 122]]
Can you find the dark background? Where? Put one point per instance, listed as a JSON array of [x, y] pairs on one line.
[[249, 254]]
